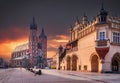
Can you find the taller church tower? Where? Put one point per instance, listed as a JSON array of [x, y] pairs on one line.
[[33, 43]]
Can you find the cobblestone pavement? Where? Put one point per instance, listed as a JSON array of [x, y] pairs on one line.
[[17, 75], [23, 76], [98, 77]]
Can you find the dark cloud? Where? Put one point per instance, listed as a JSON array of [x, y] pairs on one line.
[[54, 15], [12, 34]]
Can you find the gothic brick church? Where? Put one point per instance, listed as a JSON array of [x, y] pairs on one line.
[[33, 53]]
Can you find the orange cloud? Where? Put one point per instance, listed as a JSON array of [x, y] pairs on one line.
[[51, 54], [60, 40], [8, 46], [62, 37], [13, 34], [55, 42]]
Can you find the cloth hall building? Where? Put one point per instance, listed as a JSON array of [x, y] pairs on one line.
[[93, 46], [33, 53]]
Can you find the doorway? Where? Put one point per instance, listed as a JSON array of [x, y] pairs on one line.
[[94, 63]]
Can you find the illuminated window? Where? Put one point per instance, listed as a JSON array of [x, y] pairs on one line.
[[102, 35]]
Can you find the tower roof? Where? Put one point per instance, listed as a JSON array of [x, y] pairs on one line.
[[42, 35], [33, 25], [103, 11], [84, 19], [76, 21]]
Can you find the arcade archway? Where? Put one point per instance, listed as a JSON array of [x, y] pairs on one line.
[[94, 63], [68, 63], [116, 63], [74, 62]]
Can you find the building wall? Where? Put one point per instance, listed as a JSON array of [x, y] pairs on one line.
[[90, 45], [109, 56], [33, 46], [18, 58], [86, 49]]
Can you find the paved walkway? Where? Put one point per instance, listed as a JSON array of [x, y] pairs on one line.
[[18, 75], [98, 77]]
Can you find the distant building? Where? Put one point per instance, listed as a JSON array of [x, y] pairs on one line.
[[50, 62], [55, 62], [19, 54], [93, 46], [3, 63], [35, 50]]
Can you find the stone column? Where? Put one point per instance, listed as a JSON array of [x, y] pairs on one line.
[[101, 69]]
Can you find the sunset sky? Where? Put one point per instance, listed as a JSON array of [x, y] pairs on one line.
[[55, 16]]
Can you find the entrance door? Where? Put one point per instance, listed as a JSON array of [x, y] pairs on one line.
[[68, 63], [74, 62], [94, 63], [115, 62], [115, 65]]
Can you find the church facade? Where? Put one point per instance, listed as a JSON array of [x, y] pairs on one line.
[[35, 51], [93, 46]]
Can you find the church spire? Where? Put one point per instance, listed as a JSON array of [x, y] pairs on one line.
[[76, 21], [42, 30], [33, 20], [33, 25], [103, 14], [84, 19], [102, 5], [42, 35]]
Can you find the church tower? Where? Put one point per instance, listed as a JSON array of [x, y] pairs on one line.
[[42, 42], [33, 43]]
